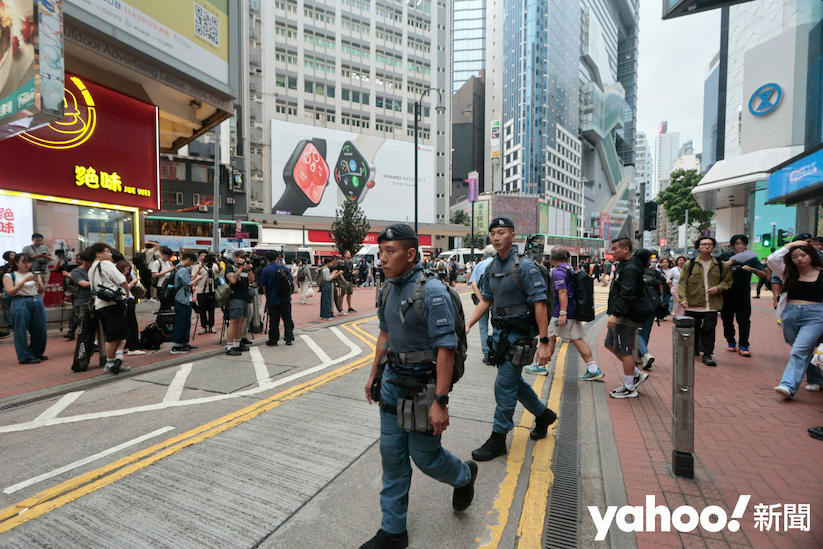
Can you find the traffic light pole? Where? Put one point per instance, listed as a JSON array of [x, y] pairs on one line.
[[774, 242]]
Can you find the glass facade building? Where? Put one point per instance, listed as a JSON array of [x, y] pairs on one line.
[[468, 40], [710, 99]]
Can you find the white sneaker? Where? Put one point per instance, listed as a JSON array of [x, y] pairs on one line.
[[135, 353], [623, 392], [787, 394], [813, 387], [647, 361], [639, 379], [344, 313]]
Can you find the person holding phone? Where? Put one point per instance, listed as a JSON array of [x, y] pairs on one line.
[[28, 314]]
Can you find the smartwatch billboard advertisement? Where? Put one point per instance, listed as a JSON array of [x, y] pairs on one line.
[[316, 170]]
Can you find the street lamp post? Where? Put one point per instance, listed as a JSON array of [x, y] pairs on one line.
[[440, 110]]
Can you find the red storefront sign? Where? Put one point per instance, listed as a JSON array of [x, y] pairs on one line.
[[323, 237], [104, 150]]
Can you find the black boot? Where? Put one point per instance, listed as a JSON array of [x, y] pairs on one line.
[[464, 495], [492, 448], [69, 335], [541, 424], [383, 540]]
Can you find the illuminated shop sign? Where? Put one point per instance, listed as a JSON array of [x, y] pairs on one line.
[[105, 149]]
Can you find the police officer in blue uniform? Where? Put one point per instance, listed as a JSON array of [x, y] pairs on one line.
[[519, 313], [412, 348]]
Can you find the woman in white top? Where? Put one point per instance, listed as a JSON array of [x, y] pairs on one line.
[[672, 279], [28, 314]]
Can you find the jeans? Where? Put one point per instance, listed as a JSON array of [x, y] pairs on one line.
[[6, 312], [705, 324], [276, 312], [397, 448], [643, 337], [740, 306], [802, 328], [182, 324], [28, 315], [484, 334], [509, 388], [325, 301]]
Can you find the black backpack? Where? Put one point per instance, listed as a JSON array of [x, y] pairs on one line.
[[283, 283], [170, 285], [151, 338], [139, 261], [417, 302], [648, 301], [584, 295]]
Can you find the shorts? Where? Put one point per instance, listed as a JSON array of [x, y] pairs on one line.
[[346, 287], [236, 309], [113, 320], [621, 339], [572, 330]]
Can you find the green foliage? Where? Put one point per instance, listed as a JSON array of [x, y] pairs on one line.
[[479, 240], [349, 228], [677, 198], [461, 218]]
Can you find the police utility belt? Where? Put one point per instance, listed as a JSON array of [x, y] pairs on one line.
[[522, 351], [412, 411]]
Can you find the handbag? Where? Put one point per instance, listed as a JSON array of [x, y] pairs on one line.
[[223, 291], [138, 290]]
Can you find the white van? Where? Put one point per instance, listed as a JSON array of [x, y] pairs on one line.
[[463, 255]]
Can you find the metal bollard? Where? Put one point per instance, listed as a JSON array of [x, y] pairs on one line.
[[683, 397]]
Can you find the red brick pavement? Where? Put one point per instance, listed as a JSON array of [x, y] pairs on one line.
[[17, 379], [749, 441]]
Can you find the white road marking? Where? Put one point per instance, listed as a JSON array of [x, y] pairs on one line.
[[55, 409], [178, 383], [261, 372], [84, 461], [355, 350], [321, 354]]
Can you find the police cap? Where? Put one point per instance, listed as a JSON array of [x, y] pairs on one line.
[[400, 231], [501, 222]]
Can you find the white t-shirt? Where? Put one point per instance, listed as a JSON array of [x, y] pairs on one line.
[[158, 267], [673, 276], [108, 276], [28, 289]]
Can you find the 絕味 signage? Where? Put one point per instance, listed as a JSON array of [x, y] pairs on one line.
[[105, 149]]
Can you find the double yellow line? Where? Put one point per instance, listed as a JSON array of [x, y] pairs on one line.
[[77, 487]]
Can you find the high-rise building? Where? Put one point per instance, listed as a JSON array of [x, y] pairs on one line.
[[355, 66], [468, 40], [668, 145], [686, 149], [644, 166], [711, 89]]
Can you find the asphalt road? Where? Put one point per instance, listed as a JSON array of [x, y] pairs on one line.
[[276, 448]]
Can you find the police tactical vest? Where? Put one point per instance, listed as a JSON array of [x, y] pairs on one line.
[[507, 287]]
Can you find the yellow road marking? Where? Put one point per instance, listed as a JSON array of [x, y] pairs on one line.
[[530, 530], [74, 488]]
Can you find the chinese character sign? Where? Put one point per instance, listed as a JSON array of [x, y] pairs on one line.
[[473, 187], [16, 222], [105, 150]]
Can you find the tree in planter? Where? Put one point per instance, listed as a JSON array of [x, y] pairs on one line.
[[460, 218], [479, 240], [677, 198], [349, 228]]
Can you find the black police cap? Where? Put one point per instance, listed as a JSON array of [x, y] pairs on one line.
[[400, 231], [501, 222]]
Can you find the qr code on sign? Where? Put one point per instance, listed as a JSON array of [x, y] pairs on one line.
[[206, 25]]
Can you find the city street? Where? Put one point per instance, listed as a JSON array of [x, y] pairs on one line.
[[278, 448]]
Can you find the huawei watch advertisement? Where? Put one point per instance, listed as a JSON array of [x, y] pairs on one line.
[[316, 170]]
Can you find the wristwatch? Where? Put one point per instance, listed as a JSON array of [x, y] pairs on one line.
[[306, 176], [544, 340], [355, 171], [442, 400], [562, 313]]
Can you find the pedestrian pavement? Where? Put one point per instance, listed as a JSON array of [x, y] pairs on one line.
[[748, 439], [18, 380]]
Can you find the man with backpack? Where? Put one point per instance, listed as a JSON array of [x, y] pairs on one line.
[[278, 285], [702, 283], [564, 322], [625, 292], [160, 270], [454, 268], [419, 352], [516, 287], [180, 283]]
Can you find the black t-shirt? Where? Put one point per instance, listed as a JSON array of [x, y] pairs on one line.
[[241, 290], [348, 271]]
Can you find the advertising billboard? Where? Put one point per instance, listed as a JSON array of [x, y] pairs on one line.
[[315, 170], [605, 226], [798, 178], [495, 141], [31, 65], [104, 150], [544, 218], [16, 222], [194, 32], [520, 209], [481, 216]]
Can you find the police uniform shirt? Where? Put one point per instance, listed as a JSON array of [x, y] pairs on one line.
[[504, 292], [413, 336]]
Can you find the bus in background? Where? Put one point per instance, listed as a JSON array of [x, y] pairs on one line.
[[540, 246], [289, 253], [180, 233]]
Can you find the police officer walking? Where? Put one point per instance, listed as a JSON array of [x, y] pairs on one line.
[[517, 288], [415, 349]]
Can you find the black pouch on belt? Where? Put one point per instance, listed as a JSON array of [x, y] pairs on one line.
[[523, 351], [501, 352], [374, 390]]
